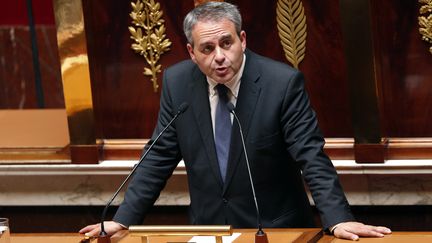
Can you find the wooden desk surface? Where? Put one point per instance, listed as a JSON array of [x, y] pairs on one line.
[[247, 236], [395, 237]]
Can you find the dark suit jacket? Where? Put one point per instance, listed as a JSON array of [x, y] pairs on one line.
[[283, 142]]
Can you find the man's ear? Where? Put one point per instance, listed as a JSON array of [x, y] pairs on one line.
[[191, 52], [243, 39]]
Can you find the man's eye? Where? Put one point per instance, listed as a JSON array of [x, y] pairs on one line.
[[226, 44], [207, 49]]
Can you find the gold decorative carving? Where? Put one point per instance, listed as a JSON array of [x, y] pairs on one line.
[[425, 22], [291, 24], [149, 36]]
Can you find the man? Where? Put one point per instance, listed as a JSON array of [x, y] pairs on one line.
[[283, 141]]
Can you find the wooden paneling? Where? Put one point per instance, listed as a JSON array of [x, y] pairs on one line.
[[71, 219], [117, 78], [15, 13], [404, 67], [126, 107], [324, 64], [124, 102], [16, 68], [115, 149], [325, 68]]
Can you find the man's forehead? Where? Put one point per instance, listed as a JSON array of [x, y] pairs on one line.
[[211, 31], [224, 23]]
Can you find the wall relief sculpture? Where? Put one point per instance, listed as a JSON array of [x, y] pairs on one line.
[[425, 21], [291, 24], [148, 33]]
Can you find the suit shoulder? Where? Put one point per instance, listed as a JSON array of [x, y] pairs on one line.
[[274, 74], [183, 67], [179, 74]]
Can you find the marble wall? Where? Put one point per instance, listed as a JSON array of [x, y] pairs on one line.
[[393, 183]]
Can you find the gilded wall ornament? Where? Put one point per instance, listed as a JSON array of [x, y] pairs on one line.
[[291, 24], [425, 21], [149, 36]]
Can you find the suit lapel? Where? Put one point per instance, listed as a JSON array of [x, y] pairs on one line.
[[201, 108], [245, 107]]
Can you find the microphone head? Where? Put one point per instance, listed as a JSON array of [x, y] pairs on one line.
[[183, 107], [230, 107]]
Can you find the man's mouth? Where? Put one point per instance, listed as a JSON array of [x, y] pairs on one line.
[[221, 70]]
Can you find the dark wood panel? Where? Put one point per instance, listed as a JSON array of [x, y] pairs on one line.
[[72, 218], [404, 69], [16, 70], [325, 68], [125, 104], [409, 148], [335, 148], [15, 12], [324, 63], [132, 149]]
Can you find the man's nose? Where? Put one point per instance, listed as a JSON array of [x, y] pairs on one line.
[[219, 55]]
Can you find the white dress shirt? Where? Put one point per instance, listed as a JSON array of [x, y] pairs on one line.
[[233, 86]]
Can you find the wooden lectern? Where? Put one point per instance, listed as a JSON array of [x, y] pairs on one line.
[[180, 230]]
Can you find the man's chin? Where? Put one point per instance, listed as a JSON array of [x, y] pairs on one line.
[[222, 80]]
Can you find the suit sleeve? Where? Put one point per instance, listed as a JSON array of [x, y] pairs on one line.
[[305, 145], [151, 176]]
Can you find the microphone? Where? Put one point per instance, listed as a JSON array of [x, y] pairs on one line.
[[260, 236], [103, 235]]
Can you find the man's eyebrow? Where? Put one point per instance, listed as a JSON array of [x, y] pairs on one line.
[[221, 38], [225, 36], [204, 44]]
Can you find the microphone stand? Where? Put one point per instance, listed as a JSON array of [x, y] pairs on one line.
[[260, 236], [103, 236]]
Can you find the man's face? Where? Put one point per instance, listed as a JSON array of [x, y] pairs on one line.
[[218, 50]]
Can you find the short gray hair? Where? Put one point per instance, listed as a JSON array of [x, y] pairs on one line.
[[211, 11]]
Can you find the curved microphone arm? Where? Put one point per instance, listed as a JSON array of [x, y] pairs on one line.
[[231, 109], [182, 108]]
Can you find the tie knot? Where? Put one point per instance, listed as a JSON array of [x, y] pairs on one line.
[[222, 92]]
